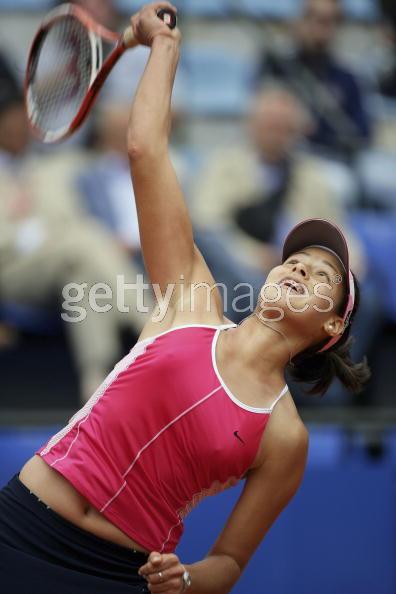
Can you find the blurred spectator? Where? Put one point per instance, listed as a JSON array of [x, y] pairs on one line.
[[105, 186], [107, 195], [250, 196], [388, 82], [46, 242], [327, 88], [248, 188]]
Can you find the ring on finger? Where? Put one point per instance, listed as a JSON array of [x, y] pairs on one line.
[[160, 576]]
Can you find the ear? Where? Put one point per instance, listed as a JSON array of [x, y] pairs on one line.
[[334, 326]]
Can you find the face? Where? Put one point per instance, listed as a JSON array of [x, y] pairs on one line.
[[276, 125], [319, 25], [305, 292]]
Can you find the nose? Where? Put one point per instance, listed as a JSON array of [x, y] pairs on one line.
[[300, 268]]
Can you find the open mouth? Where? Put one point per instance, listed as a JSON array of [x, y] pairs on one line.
[[293, 286]]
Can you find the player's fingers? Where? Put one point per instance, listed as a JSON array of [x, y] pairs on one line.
[[146, 25], [172, 586], [134, 24], [157, 562], [164, 575]]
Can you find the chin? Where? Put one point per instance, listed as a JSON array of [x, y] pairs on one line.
[[289, 307], [303, 320]]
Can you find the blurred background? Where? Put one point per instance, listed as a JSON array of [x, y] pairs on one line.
[[281, 111]]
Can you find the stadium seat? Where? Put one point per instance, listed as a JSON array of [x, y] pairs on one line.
[[280, 10], [391, 444], [128, 7], [376, 171], [361, 10], [376, 230], [210, 8], [218, 80], [26, 5]]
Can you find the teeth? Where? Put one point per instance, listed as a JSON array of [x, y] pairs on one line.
[[293, 285]]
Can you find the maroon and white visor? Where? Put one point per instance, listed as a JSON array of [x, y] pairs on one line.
[[324, 234]]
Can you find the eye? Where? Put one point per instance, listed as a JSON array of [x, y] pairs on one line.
[[323, 273], [292, 261]]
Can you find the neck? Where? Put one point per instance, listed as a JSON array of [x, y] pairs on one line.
[[263, 345]]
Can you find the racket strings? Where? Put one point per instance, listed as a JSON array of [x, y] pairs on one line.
[[61, 74]]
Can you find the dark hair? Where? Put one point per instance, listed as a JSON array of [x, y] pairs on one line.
[[319, 369]]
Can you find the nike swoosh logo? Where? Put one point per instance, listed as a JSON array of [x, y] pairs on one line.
[[238, 436]]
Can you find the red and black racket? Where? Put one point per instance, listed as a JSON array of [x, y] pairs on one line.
[[65, 69]]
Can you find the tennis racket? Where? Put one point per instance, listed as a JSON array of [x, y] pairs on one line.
[[65, 69]]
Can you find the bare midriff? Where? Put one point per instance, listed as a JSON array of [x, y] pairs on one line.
[[60, 495]]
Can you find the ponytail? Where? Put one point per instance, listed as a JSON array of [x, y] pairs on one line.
[[320, 369]]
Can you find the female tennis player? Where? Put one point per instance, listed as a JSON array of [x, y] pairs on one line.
[[198, 404]]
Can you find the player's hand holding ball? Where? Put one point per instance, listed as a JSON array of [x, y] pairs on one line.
[[146, 25], [164, 573]]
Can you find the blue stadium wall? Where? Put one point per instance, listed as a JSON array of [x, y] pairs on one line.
[[338, 536]]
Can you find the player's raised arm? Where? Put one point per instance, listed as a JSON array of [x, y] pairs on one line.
[[164, 222]]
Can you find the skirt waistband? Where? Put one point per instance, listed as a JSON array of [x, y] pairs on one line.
[[28, 524]]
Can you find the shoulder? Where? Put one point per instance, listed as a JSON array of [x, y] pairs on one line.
[[283, 461], [286, 438], [288, 434]]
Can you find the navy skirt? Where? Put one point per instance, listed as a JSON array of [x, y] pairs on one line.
[[43, 553]]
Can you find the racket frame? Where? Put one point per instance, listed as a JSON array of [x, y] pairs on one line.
[[100, 70]]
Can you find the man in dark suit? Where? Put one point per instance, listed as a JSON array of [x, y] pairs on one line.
[[327, 88]]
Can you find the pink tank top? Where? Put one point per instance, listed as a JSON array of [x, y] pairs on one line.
[[160, 433]]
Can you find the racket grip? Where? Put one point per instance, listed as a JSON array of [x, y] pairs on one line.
[[128, 38], [169, 18]]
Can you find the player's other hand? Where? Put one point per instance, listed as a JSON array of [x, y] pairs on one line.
[[163, 573], [146, 25]]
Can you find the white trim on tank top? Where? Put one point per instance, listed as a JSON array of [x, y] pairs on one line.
[[185, 326], [228, 391]]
